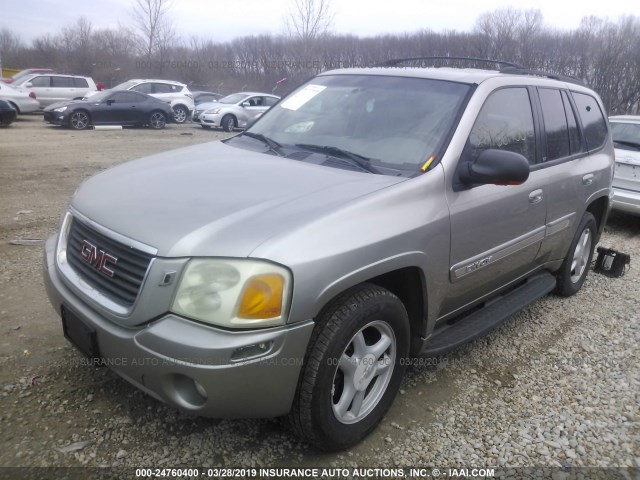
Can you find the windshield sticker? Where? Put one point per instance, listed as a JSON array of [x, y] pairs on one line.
[[295, 101]]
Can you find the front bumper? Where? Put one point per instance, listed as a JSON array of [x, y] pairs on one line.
[[164, 357], [626, 200], [210, 119], [56, 118]]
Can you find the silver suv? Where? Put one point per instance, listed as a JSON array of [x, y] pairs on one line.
[[370, 216], [50, 88]]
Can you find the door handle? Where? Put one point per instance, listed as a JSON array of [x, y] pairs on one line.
[[587, 179], [536, 196]]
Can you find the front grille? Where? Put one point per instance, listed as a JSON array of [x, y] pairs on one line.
[[128, 272]]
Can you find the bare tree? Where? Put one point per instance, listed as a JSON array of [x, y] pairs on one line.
[[309, 19], [154, 27]]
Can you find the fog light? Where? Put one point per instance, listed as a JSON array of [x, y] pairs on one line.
[[251, 351]]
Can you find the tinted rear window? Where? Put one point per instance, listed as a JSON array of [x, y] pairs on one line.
[[593, 122], [81, 82], [62, 82]]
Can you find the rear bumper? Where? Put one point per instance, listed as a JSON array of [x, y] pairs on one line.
[[166, 357], [626, 200]]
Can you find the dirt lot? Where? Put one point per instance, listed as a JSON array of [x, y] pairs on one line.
[[477, 408]]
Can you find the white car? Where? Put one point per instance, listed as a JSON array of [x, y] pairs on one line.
[[23, 101], [234, 111], [175, 93], [53, 87], [625, 131]]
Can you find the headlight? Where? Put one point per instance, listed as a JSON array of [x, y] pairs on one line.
[[234, 293], [213, 111], [60, 109]]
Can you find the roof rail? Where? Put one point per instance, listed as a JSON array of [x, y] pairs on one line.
[[505, 67], [396, 61], [541, 73]]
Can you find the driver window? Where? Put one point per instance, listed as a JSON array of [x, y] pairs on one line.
[[505, 122]]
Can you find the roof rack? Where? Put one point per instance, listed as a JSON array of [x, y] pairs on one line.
[[505, 67], [541, 73], [396, 61]]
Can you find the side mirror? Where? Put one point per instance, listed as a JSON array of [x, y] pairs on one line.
[[496, 167], [246, 104], [110, 101], [28, 84]]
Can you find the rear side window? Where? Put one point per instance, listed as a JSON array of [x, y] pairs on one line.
[[62, 82], [555, 124], [142, 88], [505, 123], [165, 88], [81, 82], [593, 122], [270, 101]]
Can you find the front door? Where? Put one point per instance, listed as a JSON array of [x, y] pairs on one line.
[[496, 230]]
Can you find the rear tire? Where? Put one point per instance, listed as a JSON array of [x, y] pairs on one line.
[[79, 120], [575, 267], [353, 368]]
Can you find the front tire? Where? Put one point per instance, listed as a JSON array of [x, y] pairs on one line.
[[228, 123], [79, 120], [180, 113], [575, 267], [353, 368]]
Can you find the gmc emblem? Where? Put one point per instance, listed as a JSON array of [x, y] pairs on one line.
[[98, 259]]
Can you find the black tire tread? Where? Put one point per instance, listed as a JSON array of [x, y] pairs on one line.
[[563, 286], [327, 326]]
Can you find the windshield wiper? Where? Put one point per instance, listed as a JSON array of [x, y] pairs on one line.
[[359, 160], [272, 144], [635, 145]]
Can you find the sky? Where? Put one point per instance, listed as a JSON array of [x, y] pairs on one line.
[[222, 21]]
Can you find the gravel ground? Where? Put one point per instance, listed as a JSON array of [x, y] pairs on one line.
[[556, 385]]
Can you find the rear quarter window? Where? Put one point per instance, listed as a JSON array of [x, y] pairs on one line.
[[81, 82], [593, 121]]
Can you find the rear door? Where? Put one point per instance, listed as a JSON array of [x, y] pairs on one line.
[[63, 89], [573, 175], [496, 231]]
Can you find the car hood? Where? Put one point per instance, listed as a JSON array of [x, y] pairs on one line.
[[208, 105], [216, 200], [64, 103]]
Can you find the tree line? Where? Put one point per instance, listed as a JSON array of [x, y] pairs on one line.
[[604, 54]]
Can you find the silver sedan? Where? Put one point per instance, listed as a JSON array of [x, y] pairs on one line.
[[234, 111], [22, 100]]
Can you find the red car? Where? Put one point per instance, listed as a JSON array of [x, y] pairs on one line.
[[24, 73]]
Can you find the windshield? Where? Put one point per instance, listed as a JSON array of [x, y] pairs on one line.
[[392, 122], [233, 98], [125, 85], [626, 136]]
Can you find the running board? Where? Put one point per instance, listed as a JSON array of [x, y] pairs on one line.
[[480, 322]]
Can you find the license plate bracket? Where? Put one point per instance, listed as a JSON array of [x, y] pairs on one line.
[[81, 335]]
